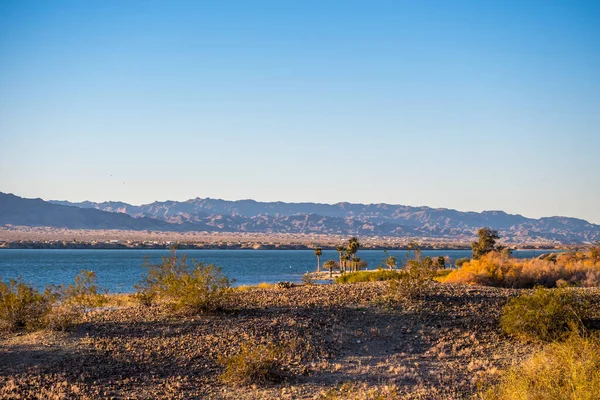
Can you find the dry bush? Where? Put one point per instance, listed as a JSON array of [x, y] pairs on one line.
[[565, 370], [84, 294], [254, 364], [495, 269], [357, 391], [22, 306], [413, 282], [58, 307], [194, 288], [546, 314]]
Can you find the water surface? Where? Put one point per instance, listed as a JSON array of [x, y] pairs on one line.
[[119, 270]]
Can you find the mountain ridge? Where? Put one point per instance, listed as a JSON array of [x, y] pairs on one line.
[[250, 216], [375, 219]]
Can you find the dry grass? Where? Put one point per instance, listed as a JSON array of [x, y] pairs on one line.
[[567, 371], [358, 391], [494, 269], [255, 363]]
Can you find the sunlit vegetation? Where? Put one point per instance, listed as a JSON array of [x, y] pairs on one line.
[[253, 364], [368, 276], [22, 306], [261, 285], [562, 370], [184, 286], [545, 314], [555, 270], [357, 391]]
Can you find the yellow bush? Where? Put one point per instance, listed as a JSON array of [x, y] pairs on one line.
[[253, 364], [566, 370], [494, 269]]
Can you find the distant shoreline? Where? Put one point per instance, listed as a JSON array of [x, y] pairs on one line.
[[20, 246]]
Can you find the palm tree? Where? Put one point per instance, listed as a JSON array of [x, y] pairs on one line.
[[352, 248], [340, 249], [355, 263], [318, 253]]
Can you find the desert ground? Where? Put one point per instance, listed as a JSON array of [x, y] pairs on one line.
[[341, 341]]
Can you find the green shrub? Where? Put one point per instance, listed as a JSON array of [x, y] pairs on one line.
[[22, 306], [254, 364], [562, 370], [195, 288], [84, 293], [414, 281], [546, 314], [368, 276]]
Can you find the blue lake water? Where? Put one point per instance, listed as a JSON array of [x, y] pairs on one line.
[[119, 270]]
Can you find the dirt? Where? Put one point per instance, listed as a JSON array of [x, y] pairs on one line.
[[348, 340]]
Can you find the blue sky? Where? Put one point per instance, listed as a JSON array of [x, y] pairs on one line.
[[473, 105]]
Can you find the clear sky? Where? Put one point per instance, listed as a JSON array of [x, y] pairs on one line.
[[474, 105]]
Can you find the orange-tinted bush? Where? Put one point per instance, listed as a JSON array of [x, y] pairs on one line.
[[494, 269]]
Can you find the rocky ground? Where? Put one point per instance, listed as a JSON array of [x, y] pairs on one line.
[[344, 341]]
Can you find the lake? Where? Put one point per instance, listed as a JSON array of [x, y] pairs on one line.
[[119, 270]]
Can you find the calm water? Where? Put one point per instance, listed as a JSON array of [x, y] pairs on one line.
[[119, 270]]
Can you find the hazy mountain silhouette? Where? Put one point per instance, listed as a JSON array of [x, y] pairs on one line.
[[347, 218], [16, 210]]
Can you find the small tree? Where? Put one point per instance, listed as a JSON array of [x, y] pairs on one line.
[[486, 242], [595, 252], [331, 265], [318, 253], [390, 261], [441, 262]]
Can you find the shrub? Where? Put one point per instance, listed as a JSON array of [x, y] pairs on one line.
[[84, 293], [414, 281], [360, 391], [566, 370], [546, 314], [495, 269], [368, 276], [22, 306], [459, 263], [253, 364], [57, 308], [308, 279], [195, 288]]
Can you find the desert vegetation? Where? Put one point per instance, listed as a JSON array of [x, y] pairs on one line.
[[568, 367], [389, 333], [188, 286], [553, 270], [23, 306]]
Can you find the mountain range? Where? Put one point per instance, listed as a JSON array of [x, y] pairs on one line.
[[215, 215], [208, 214]]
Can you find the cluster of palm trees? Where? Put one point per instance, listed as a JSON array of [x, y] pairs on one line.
[[348, 260]]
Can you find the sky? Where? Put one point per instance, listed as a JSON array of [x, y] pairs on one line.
[[471, 105]]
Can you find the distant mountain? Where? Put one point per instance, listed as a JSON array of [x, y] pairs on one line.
[[16, 210], [347, 218]]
